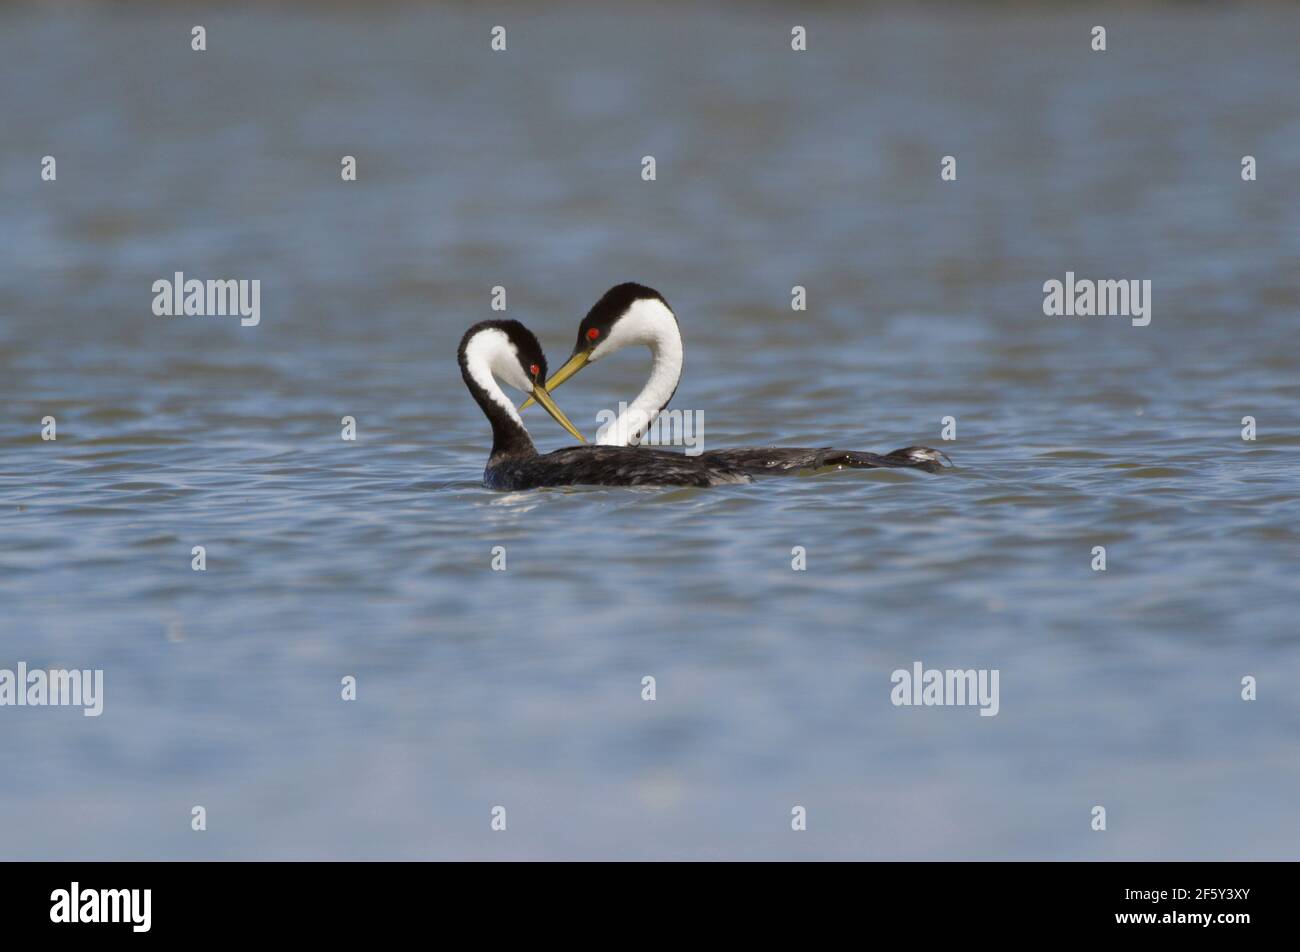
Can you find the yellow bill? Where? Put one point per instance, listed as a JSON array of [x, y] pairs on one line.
[[571, 367], [544, 398]]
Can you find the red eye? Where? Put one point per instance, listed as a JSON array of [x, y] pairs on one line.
[[593, 333], [534, 370]]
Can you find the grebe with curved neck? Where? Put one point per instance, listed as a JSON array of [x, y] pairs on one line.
[[496, 352], [631, 313]]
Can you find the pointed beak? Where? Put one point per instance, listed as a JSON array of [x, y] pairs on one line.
[[544, 398], [571, 367]]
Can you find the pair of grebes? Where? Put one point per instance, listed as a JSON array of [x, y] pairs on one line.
[[493, 353]]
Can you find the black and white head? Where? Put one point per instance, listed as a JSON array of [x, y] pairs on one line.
[[628, 314], [505, 352]]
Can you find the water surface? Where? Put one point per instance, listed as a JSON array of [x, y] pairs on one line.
[[523, 688]]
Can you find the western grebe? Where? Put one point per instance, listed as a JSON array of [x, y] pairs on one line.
[[508, 351], [632, 313]]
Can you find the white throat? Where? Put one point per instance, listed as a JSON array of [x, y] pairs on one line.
[[648, 322], [489, 355]]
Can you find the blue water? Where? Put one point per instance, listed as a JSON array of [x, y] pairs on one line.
[[522, 688]]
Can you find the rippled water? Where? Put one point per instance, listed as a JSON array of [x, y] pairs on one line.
[[523, 688]]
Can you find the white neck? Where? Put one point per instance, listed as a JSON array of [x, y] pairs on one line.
[[489, 355], [647, 322]]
